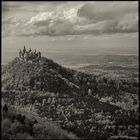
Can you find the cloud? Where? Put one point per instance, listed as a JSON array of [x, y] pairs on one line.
[[34, 6], [107, 10], [112, 17], [53, 23], [12, 26], [87, 18], [10, 6], [9, 20], [129, 22]]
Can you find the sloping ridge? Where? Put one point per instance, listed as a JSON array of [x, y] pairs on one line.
[[45, 75]]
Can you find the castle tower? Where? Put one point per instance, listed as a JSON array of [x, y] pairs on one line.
[[26, 56], [20, 53], [30, 50], [39, 55], [24, 50]]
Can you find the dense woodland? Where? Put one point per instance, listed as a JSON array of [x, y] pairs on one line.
[[19, 125]]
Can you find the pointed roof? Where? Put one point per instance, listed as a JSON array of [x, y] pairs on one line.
[[24, 48]]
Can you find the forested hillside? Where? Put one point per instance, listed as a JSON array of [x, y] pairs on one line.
[[88, 105]]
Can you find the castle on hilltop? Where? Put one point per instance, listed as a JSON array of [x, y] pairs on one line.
[[29, 55]]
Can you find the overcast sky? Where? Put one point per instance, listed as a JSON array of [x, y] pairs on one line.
[[69, 18], [69, 24]]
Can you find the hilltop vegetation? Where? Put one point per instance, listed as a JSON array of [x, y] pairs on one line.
[[46, 75]]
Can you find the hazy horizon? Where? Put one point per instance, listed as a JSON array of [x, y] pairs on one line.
[[61, 30], [65, 48]]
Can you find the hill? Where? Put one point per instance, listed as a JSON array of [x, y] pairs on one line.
[[89, 106], [45, 75]]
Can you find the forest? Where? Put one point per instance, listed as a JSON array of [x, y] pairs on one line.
[[82, 104]]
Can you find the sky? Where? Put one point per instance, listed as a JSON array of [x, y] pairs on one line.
[[69, 27]]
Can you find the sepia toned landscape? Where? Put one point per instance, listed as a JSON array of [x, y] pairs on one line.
[[70, 70]]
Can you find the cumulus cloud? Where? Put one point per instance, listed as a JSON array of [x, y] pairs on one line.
[[129, 22], [112, 17], [53, 23], [107, 10], [12, 26], [86, 18]]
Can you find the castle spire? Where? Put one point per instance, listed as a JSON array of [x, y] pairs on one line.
[[24, 50], [20, 53], [39, 55]]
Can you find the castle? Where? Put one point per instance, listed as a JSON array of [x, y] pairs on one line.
[[29, 55]]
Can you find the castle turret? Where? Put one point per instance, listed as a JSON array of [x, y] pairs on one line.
[[30, 50], [24, 50], [39, 55], [26, 56], [20, 54]]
